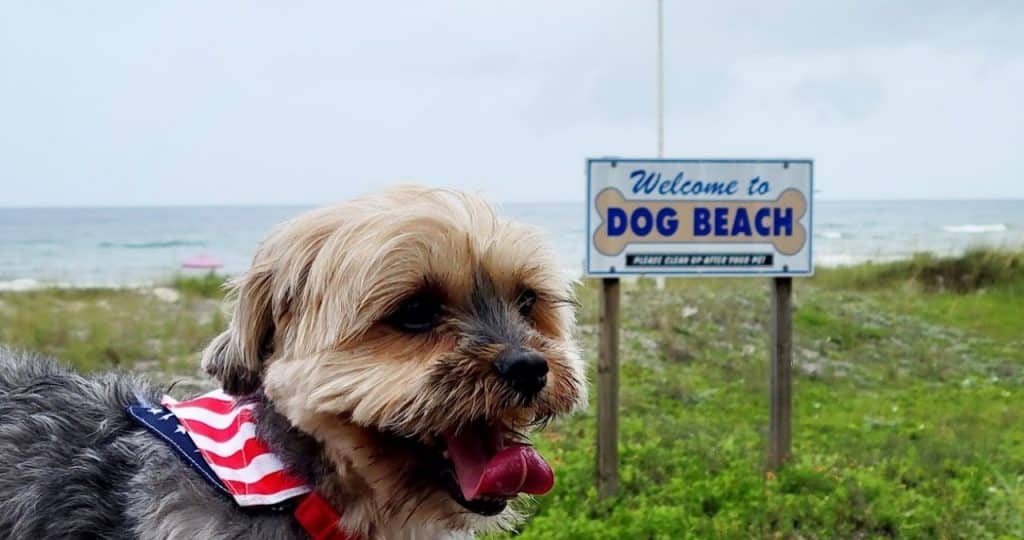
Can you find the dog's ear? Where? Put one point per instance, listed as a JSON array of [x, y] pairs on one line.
[[236, 357]]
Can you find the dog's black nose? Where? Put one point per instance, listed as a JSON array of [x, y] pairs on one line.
[[525, 371]]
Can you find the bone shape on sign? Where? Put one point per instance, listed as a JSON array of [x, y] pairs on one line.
[[788, 244]]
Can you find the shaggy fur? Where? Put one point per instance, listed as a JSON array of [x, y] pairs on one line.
[[350, 401], [75, 466]]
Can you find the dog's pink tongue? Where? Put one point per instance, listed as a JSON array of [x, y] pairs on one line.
[[515, 469]]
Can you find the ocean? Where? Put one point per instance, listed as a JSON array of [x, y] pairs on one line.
[[123, 247]]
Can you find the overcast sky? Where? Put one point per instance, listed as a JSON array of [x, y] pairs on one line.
[[146, 103]]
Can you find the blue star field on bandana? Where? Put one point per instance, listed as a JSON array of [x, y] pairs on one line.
[[162, 423]]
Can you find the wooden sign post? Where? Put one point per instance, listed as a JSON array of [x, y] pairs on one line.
[[608, 391], [780, 383]]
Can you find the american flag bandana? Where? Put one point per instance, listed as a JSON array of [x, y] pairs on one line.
[[217, 436], [225, 434]]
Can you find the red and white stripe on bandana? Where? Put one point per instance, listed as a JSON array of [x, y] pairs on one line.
[[225, 434]]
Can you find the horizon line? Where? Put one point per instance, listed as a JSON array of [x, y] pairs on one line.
[[497, 203]]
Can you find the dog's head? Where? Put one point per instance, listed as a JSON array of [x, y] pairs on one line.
[[418, 338]]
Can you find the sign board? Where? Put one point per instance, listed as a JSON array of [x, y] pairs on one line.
[[687, 217]]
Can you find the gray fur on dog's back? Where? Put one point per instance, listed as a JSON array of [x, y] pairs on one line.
[[64, 450], [74, 465]]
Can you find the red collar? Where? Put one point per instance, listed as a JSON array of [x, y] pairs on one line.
[[319, 519]]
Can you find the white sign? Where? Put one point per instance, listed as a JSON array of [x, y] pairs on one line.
[[689, 217]]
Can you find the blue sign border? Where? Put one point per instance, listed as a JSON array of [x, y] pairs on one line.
[[697, 273]]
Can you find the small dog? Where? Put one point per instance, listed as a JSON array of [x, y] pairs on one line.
[[396, 349]]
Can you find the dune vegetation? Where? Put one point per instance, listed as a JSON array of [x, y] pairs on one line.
[[908, 410], [908, 398]]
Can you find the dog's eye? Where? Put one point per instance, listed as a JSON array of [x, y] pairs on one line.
[[418, 313], [527, 299]]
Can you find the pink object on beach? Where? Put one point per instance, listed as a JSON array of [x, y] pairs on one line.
[[201, 261]]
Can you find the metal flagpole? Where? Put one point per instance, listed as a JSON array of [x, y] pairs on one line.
[[659, 282], [661, 82]]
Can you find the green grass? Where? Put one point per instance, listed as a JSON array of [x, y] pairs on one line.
[[209, 285], [975, 270], [102, 328], [981, 291], [907, 414], [998, 314]]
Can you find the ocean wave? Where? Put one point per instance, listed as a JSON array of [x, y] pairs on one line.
[[850, 259], [30, 284], [153, 245], [20, 284], [972, 228]]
